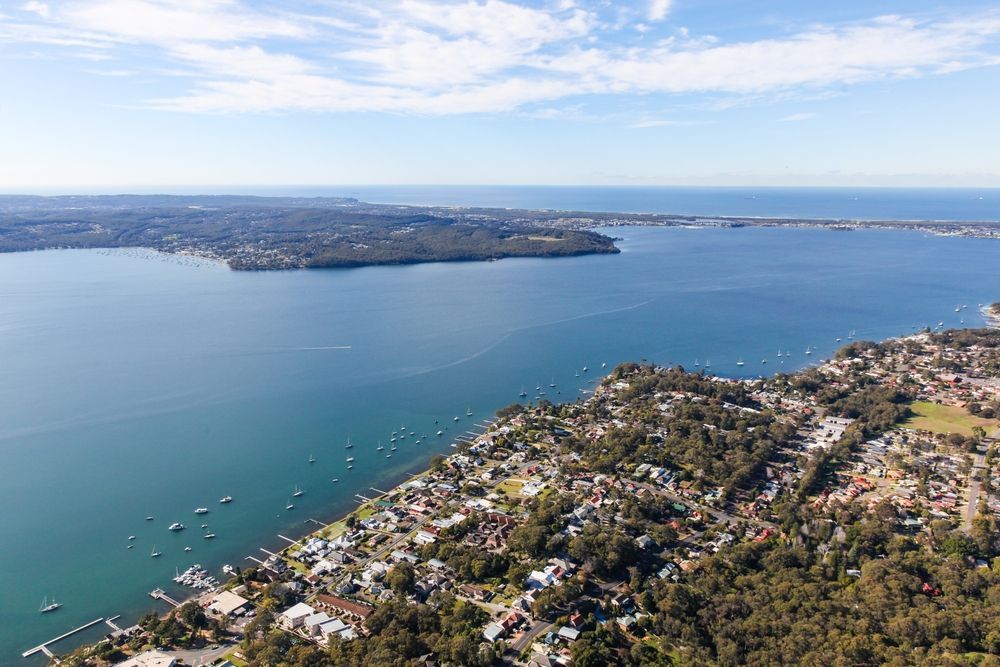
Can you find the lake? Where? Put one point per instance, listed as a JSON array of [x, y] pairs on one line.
[[134, 384]]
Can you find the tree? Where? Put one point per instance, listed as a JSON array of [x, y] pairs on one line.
[[402, 578]]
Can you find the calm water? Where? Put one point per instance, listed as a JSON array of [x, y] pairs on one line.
[[964, 204], [132, 385]]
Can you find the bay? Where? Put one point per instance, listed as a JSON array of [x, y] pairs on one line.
[[134, 384]]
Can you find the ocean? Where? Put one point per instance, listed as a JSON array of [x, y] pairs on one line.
[[135, 384]]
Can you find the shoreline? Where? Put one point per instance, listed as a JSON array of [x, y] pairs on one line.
[[418, 470]]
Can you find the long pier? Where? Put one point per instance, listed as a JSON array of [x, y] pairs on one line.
[[160, 594], [44, 648]]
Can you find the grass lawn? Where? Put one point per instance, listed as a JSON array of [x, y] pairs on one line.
[[946, 419], [231, 657], [510, 486], [335, 530]]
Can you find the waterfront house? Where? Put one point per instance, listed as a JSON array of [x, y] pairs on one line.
[[228, 603]]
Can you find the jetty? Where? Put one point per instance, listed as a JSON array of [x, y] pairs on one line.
[[111, 623], [318, 522], [287, 539], [160, 594], [44, 648]]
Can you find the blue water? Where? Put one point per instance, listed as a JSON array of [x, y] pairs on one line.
[[961, 204], [134, 385]]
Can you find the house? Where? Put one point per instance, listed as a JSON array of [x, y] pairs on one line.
[[228, 603], [150, 659], [294, 616], [311, 623], [354, 610], [493, 632], [568, 633]]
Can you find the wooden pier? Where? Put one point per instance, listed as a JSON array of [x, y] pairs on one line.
[[160, 594], [318, 523], [287, 539], [44, 648], [111, 623]]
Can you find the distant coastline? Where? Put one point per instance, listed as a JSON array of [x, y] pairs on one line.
[[272, 233]]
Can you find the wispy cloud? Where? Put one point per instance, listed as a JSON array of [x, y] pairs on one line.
[[795, 117], [483, 56], [658, 9], [664, 122]]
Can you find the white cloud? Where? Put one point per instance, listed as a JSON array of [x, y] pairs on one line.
[[481, 56], [36, 7], [658, 9], [795, 117]]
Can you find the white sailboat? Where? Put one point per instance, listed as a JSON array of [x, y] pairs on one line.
[[49, 606], [298, 492]]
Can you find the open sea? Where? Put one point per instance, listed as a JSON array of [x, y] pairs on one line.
[[136, 384]]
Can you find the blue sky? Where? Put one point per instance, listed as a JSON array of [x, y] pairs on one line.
[[200, 92]]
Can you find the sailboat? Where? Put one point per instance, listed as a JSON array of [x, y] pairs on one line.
[[553, 383], [154, 553], [350, 459], [380, 446], [523, 393], [312, 459], [49, 606], [740, 362], [349, 444], [289, 505], [298, 492], [468, 412], [809, 350], [697, 363]]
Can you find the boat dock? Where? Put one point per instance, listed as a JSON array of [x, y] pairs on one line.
[[287, 539], [44, 648], [111, 623], [364, 498], [318, 523], [160, 594]]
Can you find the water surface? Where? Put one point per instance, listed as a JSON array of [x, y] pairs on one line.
[[134, 385]]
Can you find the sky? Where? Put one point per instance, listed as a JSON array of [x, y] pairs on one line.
[[97, 93]]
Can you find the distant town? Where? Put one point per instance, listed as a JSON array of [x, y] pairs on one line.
[[845, 514], [270, 233]]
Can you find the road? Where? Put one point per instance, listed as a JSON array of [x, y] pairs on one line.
[[978, 465], [524, 641], [205, 656]]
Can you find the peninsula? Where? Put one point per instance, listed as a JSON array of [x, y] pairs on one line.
[[845, 514], [262, 233]]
